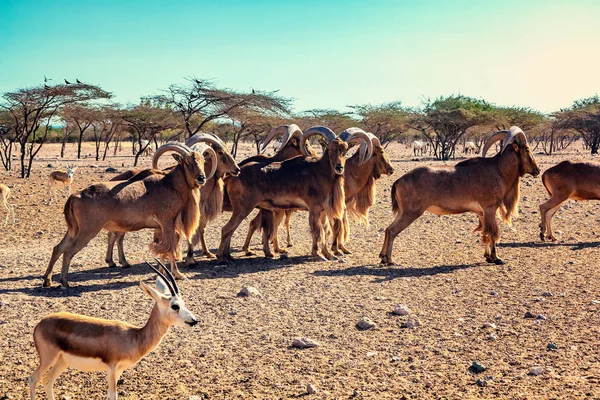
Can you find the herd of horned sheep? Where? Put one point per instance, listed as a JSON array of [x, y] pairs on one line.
[[181, 200]]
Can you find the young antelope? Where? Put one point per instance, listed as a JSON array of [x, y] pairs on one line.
[[93, 344], [65, 177], [4, 193]]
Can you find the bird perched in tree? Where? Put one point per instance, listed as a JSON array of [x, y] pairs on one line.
[[46, 86], [197, 81], [77, 80], [67, 82], [45, 79], [253, 92]]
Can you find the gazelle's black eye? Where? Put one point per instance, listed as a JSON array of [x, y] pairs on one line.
[[175, 307]]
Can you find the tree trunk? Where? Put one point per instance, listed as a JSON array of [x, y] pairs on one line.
[[79, 143]]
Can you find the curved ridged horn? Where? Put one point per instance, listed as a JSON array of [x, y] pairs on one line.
[[171, 279], [206, 138], [374, 139], [515, 133], [500, 135], [177, 147], [316, 130], [167, 283], [355, 134], [287, 130], [204, 149]]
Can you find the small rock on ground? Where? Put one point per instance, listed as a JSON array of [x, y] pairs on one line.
[[249, 291], [401, 309], [365, 323], [304, 343], [477, 368], [535, 371], [529, 314], [311, 389]]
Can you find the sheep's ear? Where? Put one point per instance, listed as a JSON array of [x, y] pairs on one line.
[[178, 158], [516, 147]]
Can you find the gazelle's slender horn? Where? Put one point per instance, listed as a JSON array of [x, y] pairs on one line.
[[163, 278], [173, 282]]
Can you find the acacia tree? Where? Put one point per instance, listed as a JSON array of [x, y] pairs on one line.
[[81, 117], [584, 118], [7, 139], [145, 122], [336, 120], [387, 121], [199, 101], [33, 109], [445, 120]]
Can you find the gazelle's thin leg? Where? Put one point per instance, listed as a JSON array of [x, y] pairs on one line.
[[50, 377]]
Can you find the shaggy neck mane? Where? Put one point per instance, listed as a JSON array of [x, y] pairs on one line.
[[511, 169], [211, 198], [189, 216], [336, 198]]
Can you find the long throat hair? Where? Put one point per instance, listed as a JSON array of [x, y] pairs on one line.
[[336, 203], [364, 201], [191, 214], [211, 205], [510, 203]]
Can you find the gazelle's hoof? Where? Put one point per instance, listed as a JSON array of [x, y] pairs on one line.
[[190, 261], [269, 255], [47, 282], [250, 253]]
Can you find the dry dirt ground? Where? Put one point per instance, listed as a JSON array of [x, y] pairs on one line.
[[241, 347]]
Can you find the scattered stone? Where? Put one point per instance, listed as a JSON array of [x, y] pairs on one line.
[[489, 325], [249, 291], [552, 346], [311, 389], [111, 170], [547, 294], [492, 337], [401, 309], [535, 371], [412, 322], [304, 343], [396, 359], [595, 302], [477, 368], [371, 354], [529, 314], [50, 165], [481, 382], [541, 317], [365, 323], [493, 293], [498, 317]]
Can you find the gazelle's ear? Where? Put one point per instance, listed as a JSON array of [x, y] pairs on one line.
[[161, 286], [150, 291]]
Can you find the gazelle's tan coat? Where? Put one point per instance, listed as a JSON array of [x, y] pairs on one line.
[[91, 344]]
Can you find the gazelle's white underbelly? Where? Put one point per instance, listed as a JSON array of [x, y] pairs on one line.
[[84, 363]]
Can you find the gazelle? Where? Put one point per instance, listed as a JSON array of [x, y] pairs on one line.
[[93, 344], [65, 177], [4, 193]]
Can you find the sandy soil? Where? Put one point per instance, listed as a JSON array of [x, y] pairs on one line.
[[241, 348]]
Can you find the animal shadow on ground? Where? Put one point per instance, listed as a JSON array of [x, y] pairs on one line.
[[574, 246], [389, 273], [108, 276], [244, 265]]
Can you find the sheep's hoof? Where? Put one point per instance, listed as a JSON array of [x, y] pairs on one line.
[[47, 282], [319, 258], [552, 238], [281, 251], [269, 255], [190, 261], [498, 261], [125, 266], [208, 254], [250, 253], [290, 245], [180, 277], [111, 264], [64, 285]]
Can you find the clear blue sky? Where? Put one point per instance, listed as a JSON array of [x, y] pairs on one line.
[[324, 54]]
